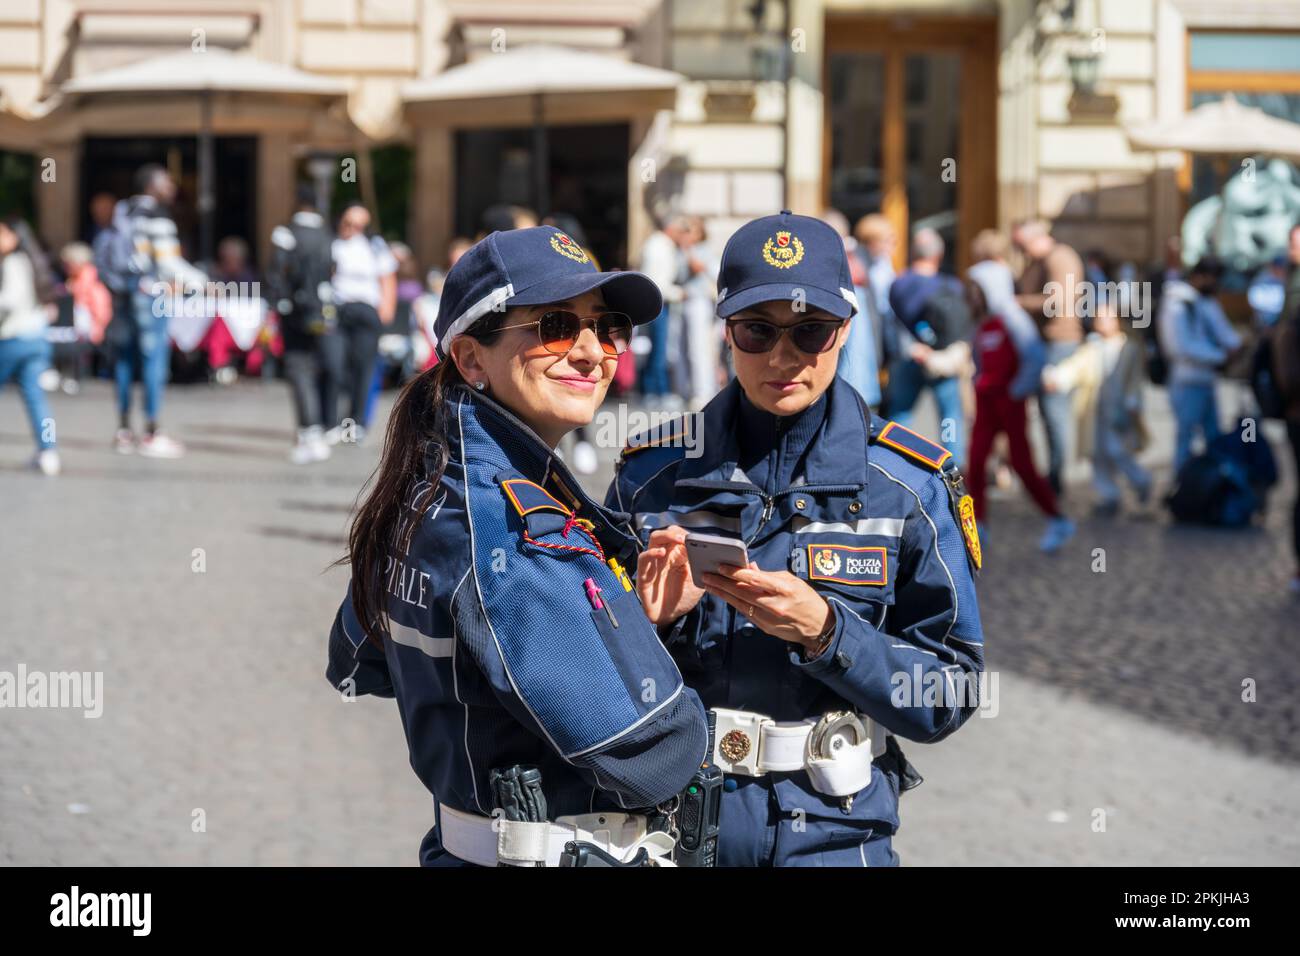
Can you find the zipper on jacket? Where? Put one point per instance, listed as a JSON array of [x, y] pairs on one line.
[[770, 500]]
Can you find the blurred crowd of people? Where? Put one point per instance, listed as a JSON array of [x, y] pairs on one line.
[[340, 312]]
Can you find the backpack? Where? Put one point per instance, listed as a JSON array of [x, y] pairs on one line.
[[115, 254], [304, 267], [1255, 457], [1154, 357], [1227, 485], [1156, 363], [948, 316], [1212, 490]]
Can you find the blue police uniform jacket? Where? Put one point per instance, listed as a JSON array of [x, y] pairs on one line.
[[871, 529], [497, 656]]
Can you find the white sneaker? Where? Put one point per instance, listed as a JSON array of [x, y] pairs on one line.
[[47, 462], [124, 441], [49, 380], [1059, 531], [159, 445], [70, 386], [311, 447], [226, 375], [585, 461]]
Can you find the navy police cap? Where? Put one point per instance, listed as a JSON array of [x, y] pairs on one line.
[[786, 257], [532, 267]]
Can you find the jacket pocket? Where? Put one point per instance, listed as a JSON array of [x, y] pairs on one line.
[[634, 648], [815, 829]]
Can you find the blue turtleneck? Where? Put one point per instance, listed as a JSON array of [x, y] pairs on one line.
[[773, 448]]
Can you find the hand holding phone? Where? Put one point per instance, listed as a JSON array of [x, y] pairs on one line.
[[706, 552]]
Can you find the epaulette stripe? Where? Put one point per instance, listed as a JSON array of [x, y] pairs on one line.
[[520, 508], [651, 444], [935, 461]]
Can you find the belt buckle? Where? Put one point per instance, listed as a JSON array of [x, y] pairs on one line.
[[738, 735]]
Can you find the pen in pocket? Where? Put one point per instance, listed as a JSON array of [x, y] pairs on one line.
[[593, 595]]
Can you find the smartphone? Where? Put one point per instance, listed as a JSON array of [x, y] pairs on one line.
[[705, 552]]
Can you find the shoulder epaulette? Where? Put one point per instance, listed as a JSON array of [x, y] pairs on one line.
[[528, 496], [669, 434], [916, 447]]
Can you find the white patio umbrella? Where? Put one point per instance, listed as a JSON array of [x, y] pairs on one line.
[[1223, 127], [556, 81], [1251, 213], [205, 72]]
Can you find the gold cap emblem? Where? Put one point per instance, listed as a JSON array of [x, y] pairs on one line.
[[783, 250], [568, 248]]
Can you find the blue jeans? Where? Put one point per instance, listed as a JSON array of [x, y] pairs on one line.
[[654, 377], [1057, 409], [905, 387], [23, 361], [145, 348], [1194, 408]]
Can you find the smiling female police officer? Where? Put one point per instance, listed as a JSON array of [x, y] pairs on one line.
[[487, 594], [856, 617]]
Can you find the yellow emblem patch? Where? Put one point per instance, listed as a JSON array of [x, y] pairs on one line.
[[969, 530], [783, 250], [568, 248]]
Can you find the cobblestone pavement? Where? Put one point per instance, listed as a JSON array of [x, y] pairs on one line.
[[1119, 692]]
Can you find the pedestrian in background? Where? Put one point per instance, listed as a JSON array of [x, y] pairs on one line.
[[219, 342], [1197, 340], [364, 289], [1107, 374], [876, 242], [26, 286], [145, 258], [1047, 289], [1009, 359], [703, 332], [934, 327], [100, 208], [663, 259], [92, 308], [860, 357], [299, 286]]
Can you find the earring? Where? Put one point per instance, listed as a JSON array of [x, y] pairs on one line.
[[479, 386]]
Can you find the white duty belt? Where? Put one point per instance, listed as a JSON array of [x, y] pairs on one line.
[[836, 749], [492, 841]]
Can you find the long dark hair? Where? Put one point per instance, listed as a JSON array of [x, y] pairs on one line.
[[415, 449], [42, 275]]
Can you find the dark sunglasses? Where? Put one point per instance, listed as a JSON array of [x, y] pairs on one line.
[[756, 336], [559, 329]]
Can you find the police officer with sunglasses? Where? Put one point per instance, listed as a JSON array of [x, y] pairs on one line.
[[855, 620], [488, 592]]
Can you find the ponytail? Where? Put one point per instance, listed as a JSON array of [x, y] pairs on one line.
[[415, 449]]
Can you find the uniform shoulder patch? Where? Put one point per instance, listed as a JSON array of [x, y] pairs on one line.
[[916, 447], [528, 496], [670, 434]]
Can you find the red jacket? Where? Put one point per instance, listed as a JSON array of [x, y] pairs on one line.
[[996, 358]]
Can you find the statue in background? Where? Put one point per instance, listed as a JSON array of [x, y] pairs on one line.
[[1246, 225]]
